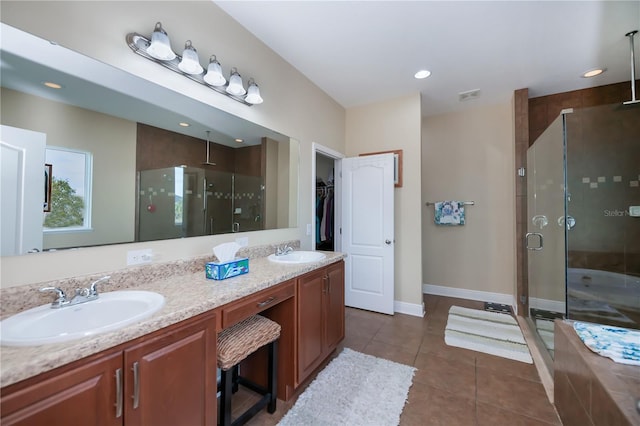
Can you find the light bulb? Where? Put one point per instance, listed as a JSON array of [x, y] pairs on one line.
[[160, 47], [214, 75], [253, 93], [190, 62], [235, 84]]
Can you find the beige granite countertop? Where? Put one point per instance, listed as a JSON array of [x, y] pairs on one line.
[[186, 295]]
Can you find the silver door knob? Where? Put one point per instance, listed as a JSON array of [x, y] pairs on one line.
[[387, 242]]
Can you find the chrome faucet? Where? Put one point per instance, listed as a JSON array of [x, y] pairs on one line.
[[82, 294], [284, 249]]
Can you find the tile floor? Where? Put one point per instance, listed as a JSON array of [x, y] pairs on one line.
[[452, 386]]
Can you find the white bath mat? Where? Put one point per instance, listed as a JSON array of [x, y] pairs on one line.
[[354, 389], [489, 332]]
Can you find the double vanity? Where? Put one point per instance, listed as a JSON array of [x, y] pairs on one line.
[[162, 369]]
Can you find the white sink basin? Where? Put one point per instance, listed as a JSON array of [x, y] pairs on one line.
[[298, 257], [111, 311]]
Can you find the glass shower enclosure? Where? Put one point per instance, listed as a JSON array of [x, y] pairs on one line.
[[583, 212], [176, 202]]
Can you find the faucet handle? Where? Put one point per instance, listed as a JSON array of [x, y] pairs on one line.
[[60, 296], [83, 292], [93, 290]]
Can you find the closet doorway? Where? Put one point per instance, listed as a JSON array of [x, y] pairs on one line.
[[326, 203]]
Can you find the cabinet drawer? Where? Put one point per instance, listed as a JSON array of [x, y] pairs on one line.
[[246, 307]]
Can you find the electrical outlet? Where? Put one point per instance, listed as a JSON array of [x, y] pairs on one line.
[[137, 257], [242, 241]]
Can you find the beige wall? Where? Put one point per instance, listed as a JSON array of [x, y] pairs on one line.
[[470, 156], [111, 141], [393, 125], [293, 106]]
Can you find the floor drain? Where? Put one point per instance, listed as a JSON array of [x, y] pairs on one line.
[[545, 315], [497, 307]]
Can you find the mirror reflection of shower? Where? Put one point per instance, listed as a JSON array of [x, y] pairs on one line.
[[191, 201]]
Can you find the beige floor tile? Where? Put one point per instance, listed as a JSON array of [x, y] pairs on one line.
[[452, 386]]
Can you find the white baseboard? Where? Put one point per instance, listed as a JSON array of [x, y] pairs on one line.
[[461, 293], [547, 305], [415, 309]]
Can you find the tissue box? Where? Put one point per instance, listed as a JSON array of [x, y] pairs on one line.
[[220, 271]]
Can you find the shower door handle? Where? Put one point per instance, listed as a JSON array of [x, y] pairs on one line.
[[540, 240], [204, 194], [569, 220]]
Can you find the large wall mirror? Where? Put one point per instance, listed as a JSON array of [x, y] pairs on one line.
[[124, 160]]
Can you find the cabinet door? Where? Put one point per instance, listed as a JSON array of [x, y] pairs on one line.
[[311, 288], [334, 305], [171, 378], [85, 395]]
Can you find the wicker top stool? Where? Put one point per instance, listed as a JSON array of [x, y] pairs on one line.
[[234, 345]]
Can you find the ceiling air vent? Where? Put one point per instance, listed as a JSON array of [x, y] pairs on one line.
[[469, 95]]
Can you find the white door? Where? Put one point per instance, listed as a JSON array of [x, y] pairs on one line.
[[22, 190], [367, 232]]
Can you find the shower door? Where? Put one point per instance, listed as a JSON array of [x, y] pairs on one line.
[[159, 210], [603, 248], [545, 238], [218, 215], [247, 203]]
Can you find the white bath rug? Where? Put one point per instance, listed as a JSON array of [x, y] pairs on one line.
[[354, 389], [489, 332]]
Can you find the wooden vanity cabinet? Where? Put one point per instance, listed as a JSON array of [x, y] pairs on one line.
[[84, 394], [166, 378], [320, 317], [173, 376]]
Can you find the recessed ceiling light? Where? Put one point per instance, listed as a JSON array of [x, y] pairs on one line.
[[422, 74], [239, 140], [183, 124], [593, 72], [52, 85]]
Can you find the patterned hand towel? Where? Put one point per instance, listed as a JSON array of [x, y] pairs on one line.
[[449, 213]]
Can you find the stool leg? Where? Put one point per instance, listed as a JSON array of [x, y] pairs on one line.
[[226, 382], [236, 368], [272, 382]]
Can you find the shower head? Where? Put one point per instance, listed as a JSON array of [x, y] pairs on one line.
[[633, 101]]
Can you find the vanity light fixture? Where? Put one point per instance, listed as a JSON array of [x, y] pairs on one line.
[[190, 63], [214, 75], [253, 93], [158, 49], [235, 86]]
